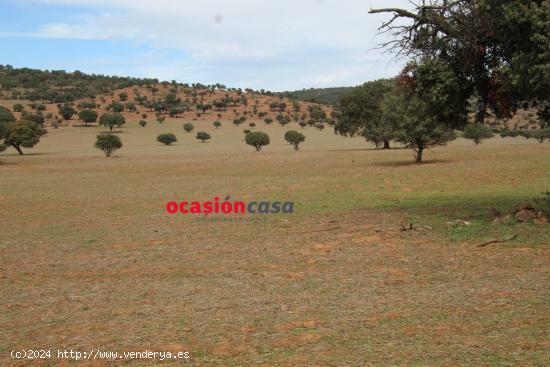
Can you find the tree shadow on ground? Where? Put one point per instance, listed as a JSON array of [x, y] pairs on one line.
[[412, 162], [25, 154], [365, 149]]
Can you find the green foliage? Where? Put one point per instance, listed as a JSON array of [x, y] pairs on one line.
[[257, 139], [66, 111], [88, 116], [302, 124], [217, 124], [142, 123], [237, 122], [268, 121], [123, 96], [363, 111], [6, 115], [477, 132], [167, 138], [425, 106], [188, 127], [33, 117], [111, 120], [108, 143], [331, 96], [203, 136], [498, 49], [24, 134], [87, 105], [317, 114], [540, 135], [116, 107], [294, 138], [18, 107], [58, 86]]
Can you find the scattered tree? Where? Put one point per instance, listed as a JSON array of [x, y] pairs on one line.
[[167, 138], [188, 127], [88, 116], [294, 138], [111, 120], [217, 124], [257, 139], [66, 111], [108, 143], [23, 133], [425, 106], [203, 136]]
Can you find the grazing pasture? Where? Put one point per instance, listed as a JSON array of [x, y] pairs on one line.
[[91, 260]]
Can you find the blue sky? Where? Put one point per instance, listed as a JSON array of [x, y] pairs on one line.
[[280, 45]]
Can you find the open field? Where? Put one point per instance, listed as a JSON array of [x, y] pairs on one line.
[[90, 259]]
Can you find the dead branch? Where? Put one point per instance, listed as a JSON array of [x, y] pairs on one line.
[[500, 240]]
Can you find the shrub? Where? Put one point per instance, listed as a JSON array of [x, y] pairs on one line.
[[237, 122], [319, 126], [302, 124], [188, 127], [167, 138], [257, 139], [477, 132], [246, 131], [55, 124], [108, 143], [252, 124], [508, 133], [142, 123], [217, 124], [203, 136], [294, 138], [18, 107], [268, 121]]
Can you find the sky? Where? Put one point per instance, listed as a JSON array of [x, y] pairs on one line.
[[274, 45]]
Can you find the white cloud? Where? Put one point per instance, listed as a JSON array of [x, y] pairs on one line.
[[287, 36]]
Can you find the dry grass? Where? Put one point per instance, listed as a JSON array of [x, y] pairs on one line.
[[90, 260]]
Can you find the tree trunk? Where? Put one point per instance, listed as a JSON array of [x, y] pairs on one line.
[[419, 155], [386, 144], [18, 149], [111, 127]]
